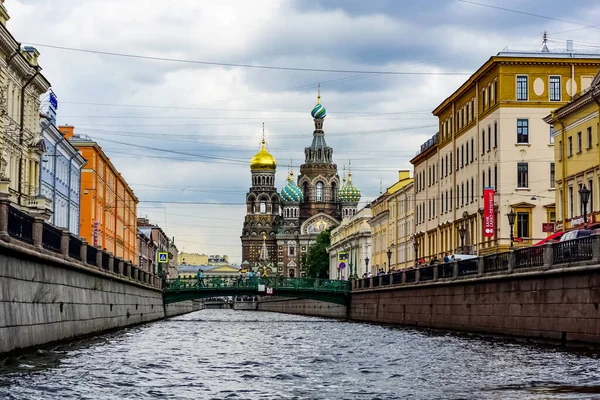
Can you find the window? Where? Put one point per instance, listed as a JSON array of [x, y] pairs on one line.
[[467, 107], [522, 131], [263, 207], [489, 137], [495, 134], [457, 195], [496, 177], [571, 204], [442, 204], [446, 164], [451, 197], [579, 143], [447, 200], [552, 176], [555, 88], [319, 191], [482, 181], [467, 147], [489, 177], [589, 137], [484, 98], [291, 250], [457, 157], [483, 142], [551, 134], [472, 190], [591, 188], [442, 166], [570, 146], [462, 194], [467, 185], [450, 163], [522, 175], [523, 224], [522, 87], [472, 149], [560, 150], [495, 90], [462, 156]]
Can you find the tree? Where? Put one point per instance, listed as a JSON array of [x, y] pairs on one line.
[[317, 260]]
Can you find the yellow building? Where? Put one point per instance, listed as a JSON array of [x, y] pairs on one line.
[[202, 259], [391, 226], [577, 157], [491, 134], [352, 238]]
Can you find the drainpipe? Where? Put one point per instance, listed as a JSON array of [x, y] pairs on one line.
[[22, 123]]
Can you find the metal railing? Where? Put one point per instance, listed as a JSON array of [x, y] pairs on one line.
[[276, 282], [20, 225], [51, 237], [529, 257], [105, 260], [573, 250], [467, 267], [426, 273], [411, 275], [396, 278], [495, 262], [91, 255], [74, 247], [445, 270], [376, 281]]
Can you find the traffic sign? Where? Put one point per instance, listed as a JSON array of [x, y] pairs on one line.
[[518, 239], [269, 290], [163, 257]]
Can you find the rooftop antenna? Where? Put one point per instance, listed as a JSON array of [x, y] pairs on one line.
[[380, 186], [544, 41]]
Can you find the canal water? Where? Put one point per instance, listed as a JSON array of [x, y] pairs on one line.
[[226, 354]]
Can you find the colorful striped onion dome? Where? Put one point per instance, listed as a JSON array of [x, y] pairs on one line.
[[349, 193], [291, 192], [319, 112]]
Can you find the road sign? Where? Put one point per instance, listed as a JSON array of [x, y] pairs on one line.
[[518, 239], [342, 265], [261, 288], [163, 257], [548, 227], [269, 290]]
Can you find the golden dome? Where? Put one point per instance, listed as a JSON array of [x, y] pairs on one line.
[[263, 160]]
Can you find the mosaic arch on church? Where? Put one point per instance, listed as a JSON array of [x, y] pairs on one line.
[[318, 224]]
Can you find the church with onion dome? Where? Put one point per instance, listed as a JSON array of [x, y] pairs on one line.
[[279, 227]]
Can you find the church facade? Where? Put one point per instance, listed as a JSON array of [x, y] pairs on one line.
[[280, 227]]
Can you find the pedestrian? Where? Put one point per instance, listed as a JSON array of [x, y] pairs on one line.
[[446, 258], [239, 279], [200, 276]]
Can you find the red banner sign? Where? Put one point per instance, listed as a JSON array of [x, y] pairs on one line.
[[95, 233], [488, 212], [548, 227]]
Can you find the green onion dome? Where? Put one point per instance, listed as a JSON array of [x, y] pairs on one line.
[[349, 193], [291, 192], [318, 111]]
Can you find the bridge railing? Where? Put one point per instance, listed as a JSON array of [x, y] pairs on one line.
[[572, 253], [219, 282]]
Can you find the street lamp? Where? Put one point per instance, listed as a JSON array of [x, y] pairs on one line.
[[389, 254], [367, 264], [416, 245], [511, 221], [462, 231], [584, 195]]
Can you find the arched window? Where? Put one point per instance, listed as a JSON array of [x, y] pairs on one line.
[[319, 154], [305, 190], [320, 191], [263, 207]]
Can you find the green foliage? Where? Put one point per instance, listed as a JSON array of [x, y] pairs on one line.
[[317, 261]]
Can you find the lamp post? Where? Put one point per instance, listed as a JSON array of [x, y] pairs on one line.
[[462, 231], [511, 221], [367, 264], [389, 254], [584, 195], [416, 245]]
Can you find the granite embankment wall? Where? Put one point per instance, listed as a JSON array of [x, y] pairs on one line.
[[302, 307], [558, 304], [47, 297]]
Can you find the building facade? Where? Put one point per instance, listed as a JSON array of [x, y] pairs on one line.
[[291, 220], [108, 205], [492, 135], [391, 235], [352, 240], [60, 179], [577, 158], [146, 251], [21, 145], [202, 259], [159, 239]]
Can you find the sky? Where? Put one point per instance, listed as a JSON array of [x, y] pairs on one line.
[[185, 131]]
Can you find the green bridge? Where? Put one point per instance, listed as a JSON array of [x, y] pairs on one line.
[[331, 291]]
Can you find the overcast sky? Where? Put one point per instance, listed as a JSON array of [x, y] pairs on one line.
[[185, 132]]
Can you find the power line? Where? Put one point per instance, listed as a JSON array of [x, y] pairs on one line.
[[526, 13], [267, 67]]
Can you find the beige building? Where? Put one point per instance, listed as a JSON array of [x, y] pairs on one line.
[[392, 225], [202, 259], [352, 238], [491, 134], [21, 145]]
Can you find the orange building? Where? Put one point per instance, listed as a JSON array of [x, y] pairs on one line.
[[108, 209]]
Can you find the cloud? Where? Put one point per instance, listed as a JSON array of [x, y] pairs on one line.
[[377, 121]]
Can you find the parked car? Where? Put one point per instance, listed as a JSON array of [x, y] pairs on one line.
[[571, 248]]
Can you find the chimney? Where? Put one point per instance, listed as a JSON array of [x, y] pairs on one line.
[[31, 54], [67, 131], [570, 46], [4, 17], [403, 175]]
